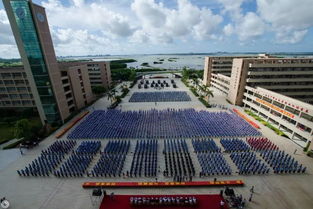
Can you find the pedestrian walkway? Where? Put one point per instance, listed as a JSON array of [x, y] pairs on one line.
[[8, 156]]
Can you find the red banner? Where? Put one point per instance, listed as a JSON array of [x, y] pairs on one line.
[[247, 119], [163, 184], [63, 131]]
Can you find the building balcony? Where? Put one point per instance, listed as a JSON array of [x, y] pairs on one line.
[[295, 117], [67, 92], [64, 77], [286, 86], [293, 93], [277, 64], [252, 72], [277, 80]]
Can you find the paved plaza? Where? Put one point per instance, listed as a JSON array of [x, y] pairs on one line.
[[272, 191]]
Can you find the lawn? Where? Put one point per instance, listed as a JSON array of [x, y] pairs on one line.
[[7, 131]]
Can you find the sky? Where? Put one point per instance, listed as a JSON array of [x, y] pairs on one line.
[[122, 27]]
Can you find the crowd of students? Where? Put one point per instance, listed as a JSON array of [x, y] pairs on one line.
[[154, 124], [164, 96], [145, 159], [178, 163]]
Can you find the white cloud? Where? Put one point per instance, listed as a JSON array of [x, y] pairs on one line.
[[250, 26], [228, 29], [290, 37], [150, 13], [80, 42], [8, 51], [6, 36], [290, 19], [139, 36], [164, 25], [109, 26], [95, 16], [233, 7], [3, 17], [246, 26], [78, 3], [8, 47]]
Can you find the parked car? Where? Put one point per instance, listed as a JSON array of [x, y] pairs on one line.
[[29, 144]]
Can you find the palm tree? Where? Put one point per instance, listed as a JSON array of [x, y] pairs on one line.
[[201, 89], [195, 82], [207, 92], [111, 95], [124, 88]]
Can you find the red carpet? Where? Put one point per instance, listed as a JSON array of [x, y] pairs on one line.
[[122, 202]]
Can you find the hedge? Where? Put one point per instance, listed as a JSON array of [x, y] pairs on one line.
[[276, 130], [205, 103]]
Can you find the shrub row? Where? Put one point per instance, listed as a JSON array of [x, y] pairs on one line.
[[276, 130]]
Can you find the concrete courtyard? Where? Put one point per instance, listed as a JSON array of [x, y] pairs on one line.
[[272, 191]]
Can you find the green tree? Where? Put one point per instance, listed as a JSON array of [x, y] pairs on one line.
[[132, 75], [208, 92], [124, 89], [98, 90], [185, 73], [22, 129], [111, 95]]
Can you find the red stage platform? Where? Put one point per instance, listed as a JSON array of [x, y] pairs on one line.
[[163, 184], [122, 202]]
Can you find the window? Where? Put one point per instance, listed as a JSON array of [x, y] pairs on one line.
[[276, 113], [26, 102], [47, 99], [289, 120], [4, 96], [63, 73], [255, 102], [264, 107], [6, 75], [50, 109], [17, 75], [278, 104], [11, 89], [14, 96], [21, 89], [267, 99], [65, 81], [42, 81], [8, 82], [16, 103], [304, 128], [19, 82], [257, 95], [67, 88], [307, 117], [69, 103], [24, 96], [292, 110], [72, 109], [69, 95]]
